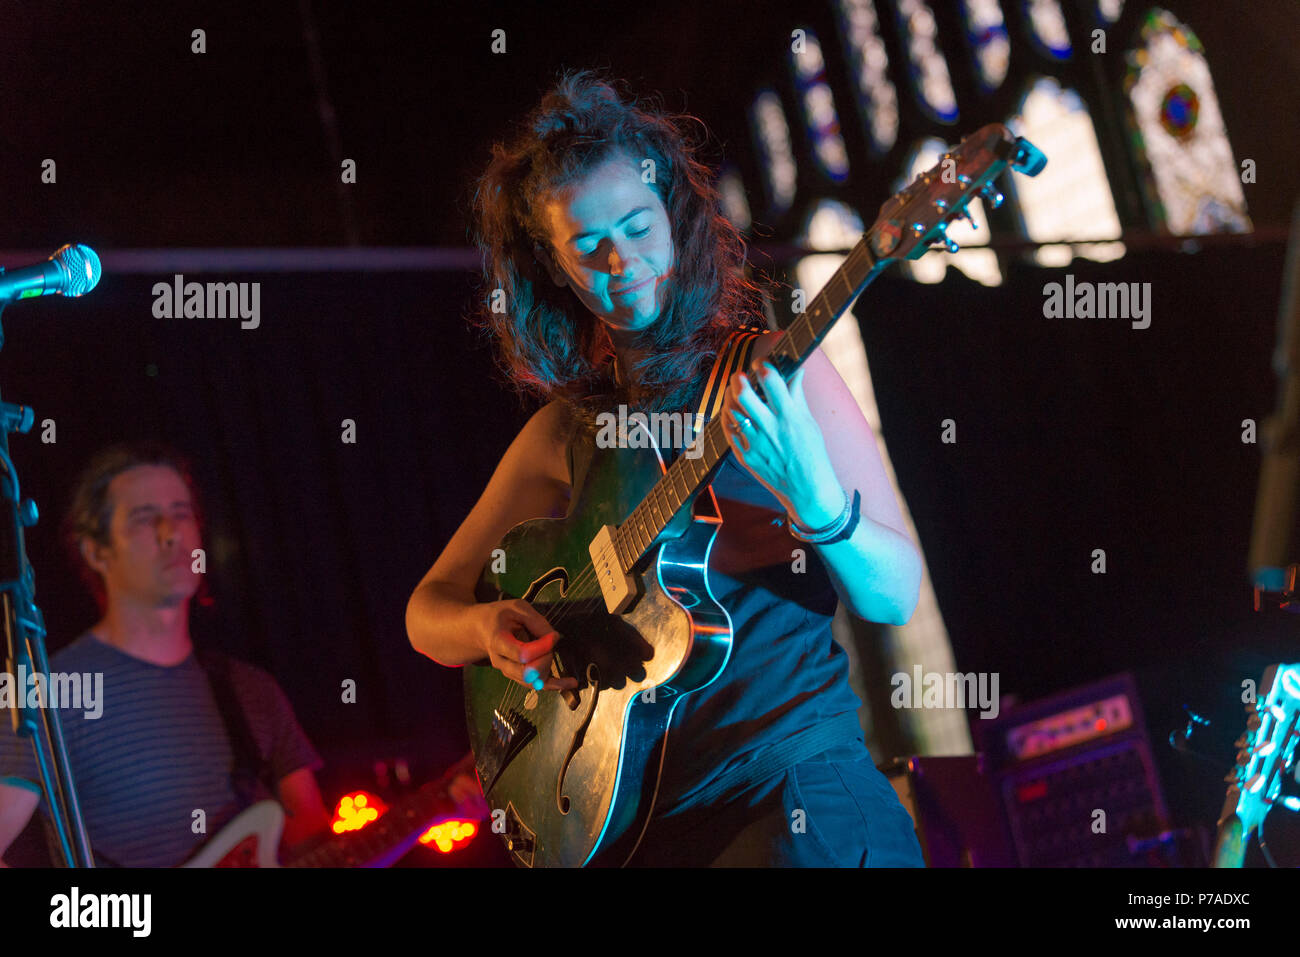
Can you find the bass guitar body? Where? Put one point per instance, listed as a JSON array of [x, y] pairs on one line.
[[571, 777]]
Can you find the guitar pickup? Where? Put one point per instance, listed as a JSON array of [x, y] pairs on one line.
[[617, 586]]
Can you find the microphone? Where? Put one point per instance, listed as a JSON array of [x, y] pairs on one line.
[[71, 271]]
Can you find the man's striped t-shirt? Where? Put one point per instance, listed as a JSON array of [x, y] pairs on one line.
[[158, 752]]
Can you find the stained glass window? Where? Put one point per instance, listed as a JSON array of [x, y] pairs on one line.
[[1047, 25], [929, 70], [1192, 184], [865, 51], [775, 153], [987, 34], [1071, 198], [979, 264], [818, 105]]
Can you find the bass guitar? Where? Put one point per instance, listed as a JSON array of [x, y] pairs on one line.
[[572, 776], [252, 838]]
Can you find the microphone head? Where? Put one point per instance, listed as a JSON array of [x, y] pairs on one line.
[[80, 266]]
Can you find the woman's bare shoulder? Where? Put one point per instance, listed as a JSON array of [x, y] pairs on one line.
[[545, 438]]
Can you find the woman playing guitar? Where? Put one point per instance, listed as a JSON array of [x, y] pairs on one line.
[[617, 281]]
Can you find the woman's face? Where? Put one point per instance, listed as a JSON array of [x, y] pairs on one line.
[[612, 244]]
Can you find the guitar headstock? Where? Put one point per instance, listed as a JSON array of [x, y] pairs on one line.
[[916, 218], [1266, 749]]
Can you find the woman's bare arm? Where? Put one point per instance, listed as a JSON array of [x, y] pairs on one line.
[[531, 481], [877, 571]]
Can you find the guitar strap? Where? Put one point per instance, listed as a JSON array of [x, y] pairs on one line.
[[248, 766], [733, 358], [840, 729]]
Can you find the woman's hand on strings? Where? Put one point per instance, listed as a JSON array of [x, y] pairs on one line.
[[778, 440]]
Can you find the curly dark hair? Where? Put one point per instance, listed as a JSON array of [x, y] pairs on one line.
[[549, 345]]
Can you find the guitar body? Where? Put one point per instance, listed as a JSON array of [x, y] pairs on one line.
[[577, 774], [251, 840]]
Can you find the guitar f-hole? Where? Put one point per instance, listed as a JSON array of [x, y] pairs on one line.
[[593, 691]]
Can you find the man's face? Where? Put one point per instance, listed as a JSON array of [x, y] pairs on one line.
[[612, 243], [153, 532]]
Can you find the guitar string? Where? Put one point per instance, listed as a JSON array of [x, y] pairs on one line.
[[517, 693]]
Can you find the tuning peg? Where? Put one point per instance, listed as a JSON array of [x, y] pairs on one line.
[[947, 243], [964, 213], [992, 195]]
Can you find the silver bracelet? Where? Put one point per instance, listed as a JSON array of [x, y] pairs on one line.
[[819, 536]]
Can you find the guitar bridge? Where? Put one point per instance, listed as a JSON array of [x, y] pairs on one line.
[[510, 732]]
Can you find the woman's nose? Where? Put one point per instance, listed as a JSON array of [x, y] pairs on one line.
[[617, 260]]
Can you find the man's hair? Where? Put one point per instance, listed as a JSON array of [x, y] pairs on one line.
[[549, 344], [90, 513]]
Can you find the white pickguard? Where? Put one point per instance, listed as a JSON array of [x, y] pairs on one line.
[[258, 829]]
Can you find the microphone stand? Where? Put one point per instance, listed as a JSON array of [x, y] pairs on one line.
[[24, 647]]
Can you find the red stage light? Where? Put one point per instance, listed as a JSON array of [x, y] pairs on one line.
[[449, 835], [356, 810]]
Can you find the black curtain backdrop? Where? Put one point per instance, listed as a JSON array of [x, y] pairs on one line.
[[1073, 434]]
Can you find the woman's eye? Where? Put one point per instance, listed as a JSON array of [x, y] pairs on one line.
[[638, 233]]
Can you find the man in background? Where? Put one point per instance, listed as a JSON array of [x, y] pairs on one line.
[[185, 739]]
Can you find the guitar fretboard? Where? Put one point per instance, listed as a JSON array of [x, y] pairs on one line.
[[686, 475]]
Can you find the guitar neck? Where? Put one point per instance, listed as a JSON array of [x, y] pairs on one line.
[[686, 476], [1230, 847], [384, 840], [908, 223]]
